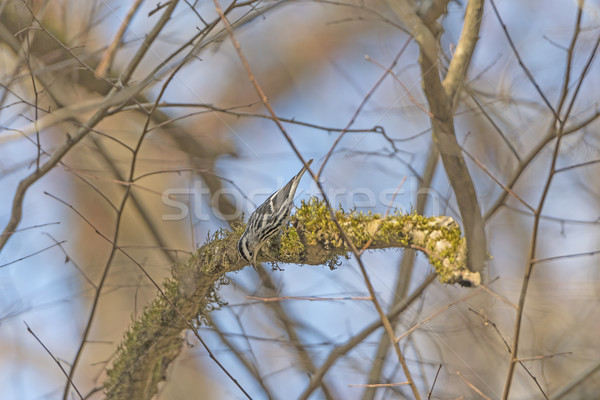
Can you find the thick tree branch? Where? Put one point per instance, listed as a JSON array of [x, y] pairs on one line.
[[155, 340], [457, 70], [440, 98]]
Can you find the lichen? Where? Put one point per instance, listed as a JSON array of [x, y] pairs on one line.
[[439, 237], [290, 246], [154, 339]]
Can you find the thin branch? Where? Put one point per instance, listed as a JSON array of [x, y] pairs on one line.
[[543, 357], [148, 40], [522, 64], [501, 298], [310, 298], [580, 165], [36, 226], [404, 277], [438, 312], [154, 283], [17, 206], [461, 58], [109, 54], [487, 321], [406, 90], [54, 358], [240, 354], [385, 320], [70, 259], [495, 126], [343, 349], [35, 103], [360, 107], [434, 381], [570, 52], [503, 186], [554, 258], [378, 385], [113, 242], [479, 392], [291, 327], [230, 111], [536, 224], [33, 254]]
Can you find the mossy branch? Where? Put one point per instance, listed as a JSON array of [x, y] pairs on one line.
[[155, 339]]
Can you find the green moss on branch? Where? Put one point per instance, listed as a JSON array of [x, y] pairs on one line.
[[155, 339], [314, 239]]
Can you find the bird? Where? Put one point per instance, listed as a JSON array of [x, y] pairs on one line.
[[269, 218]]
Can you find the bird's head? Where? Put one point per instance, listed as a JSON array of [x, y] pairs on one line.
[[246, 249]]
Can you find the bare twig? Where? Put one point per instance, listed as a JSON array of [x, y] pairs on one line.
[[54, 358], [359, 109], [32, 254], [17, 206], [536, 224], [479, 392], [487, 321], [438, 312], [291, 328], [272, 299], [70, 259], [406, 90], [154, 283], [543, 357], [503, 186], [522, 64], [137, 58], [494, 125], [545, 259], [434, 381], [580, 165], [148, 40], [343, 349], [109, 54], [347, 241], [377, 385], [403, 279]]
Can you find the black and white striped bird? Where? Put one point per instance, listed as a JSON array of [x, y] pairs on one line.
[[269, 218]]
